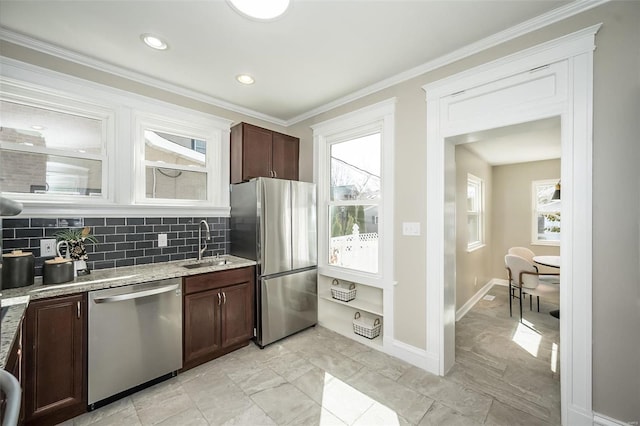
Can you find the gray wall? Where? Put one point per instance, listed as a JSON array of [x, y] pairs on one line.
[[512, 209], [616, 211], [473, 269]]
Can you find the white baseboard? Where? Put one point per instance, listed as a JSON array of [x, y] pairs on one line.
[[479, 295], [414, 356], [602, 420]]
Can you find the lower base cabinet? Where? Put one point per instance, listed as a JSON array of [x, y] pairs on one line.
[[55, 357], [218, 314]]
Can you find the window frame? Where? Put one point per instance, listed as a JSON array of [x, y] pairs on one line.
[[40, 97], [186, 128], [377, 117], [119, 106], [535, 212], [478, 183]]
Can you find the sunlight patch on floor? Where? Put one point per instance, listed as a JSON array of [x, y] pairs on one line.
[[527, 338], [554, 357], [352, 406]]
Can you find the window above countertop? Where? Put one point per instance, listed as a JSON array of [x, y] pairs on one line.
[[74, 146]]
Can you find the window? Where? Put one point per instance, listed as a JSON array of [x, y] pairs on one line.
[[354, 205], [175, 161], [354, 174], [71, 146], [545, 225], [52, 147], [475, 212]]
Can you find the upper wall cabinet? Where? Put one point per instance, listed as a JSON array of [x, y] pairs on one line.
[[258, 152]]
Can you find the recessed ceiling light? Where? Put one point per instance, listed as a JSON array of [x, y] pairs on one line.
[[245, 79], [37, 127], [262, 10], [154, 42]]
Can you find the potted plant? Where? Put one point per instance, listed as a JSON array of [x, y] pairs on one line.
[[75, 239]]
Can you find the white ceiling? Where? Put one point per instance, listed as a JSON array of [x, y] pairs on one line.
[[319, 52], [520, 143]]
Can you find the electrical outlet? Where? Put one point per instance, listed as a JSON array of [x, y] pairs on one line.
[[162, 240], [48, 247]]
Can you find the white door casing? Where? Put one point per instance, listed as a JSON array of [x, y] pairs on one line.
[[551, 79]]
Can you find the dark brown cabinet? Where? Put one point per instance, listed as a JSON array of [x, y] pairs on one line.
[[55, 359], [14, 366], [258, 152], [218, 314]]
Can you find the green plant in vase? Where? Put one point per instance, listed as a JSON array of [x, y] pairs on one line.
[[75, 239]]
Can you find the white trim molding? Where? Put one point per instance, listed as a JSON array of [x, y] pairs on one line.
[[464, 309], [551, 79], [555, 15], [602, 420]]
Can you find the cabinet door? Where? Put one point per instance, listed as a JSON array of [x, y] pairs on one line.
[[285, 156], [201, 326], [237, 314], [55, 359], [256, 152]]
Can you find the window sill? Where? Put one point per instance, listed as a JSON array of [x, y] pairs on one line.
[[475, 247], [546, 243]]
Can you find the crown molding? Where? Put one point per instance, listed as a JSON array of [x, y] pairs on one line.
[[68, 55], [526, 27]]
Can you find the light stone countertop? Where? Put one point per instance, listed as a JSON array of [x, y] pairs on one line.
[[17, 299]]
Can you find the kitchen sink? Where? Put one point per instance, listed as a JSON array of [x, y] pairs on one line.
[[205, 263]]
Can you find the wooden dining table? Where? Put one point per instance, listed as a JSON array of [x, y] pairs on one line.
[[552, 262]]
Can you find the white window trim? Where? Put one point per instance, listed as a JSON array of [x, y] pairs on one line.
[[188, 128], [480, 214], [41, 97], [380, 116], [534, 214], [120, 199]]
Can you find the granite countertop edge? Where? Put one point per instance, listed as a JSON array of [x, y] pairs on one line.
[[17, 299]]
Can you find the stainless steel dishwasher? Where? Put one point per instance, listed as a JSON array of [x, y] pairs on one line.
[[135, 338]]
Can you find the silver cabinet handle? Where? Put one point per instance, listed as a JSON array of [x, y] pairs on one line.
[[78, 307], [137, 294], [275, 174], [224, 298], [218, 299]]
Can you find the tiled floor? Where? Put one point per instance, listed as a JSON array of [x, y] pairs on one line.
[[318, 377]]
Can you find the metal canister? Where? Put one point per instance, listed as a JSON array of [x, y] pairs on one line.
[[18, 269], [58, 270]]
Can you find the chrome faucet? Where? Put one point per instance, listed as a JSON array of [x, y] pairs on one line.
[[207, 237]]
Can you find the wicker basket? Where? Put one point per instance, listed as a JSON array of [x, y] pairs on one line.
[[368, 329], [341, 293]]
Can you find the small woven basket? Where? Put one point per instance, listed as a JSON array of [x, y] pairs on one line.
[[340, 293], [363, 328]]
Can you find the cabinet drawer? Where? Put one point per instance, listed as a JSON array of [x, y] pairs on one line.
[[213, 280]]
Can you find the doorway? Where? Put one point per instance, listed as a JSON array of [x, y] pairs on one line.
[[552, 79], [505, 181]]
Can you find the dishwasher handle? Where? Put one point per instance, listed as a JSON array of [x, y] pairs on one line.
[[137, 294]]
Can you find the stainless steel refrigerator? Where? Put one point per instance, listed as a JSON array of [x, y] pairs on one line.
[[273, 221]]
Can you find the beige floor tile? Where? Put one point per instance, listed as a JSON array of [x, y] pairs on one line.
[[380, 415], [467, 402], [382, 363], [109, 414], [405, 402], [191, 417], [253, 416], [161, 401], [504, 415], [313, 382], [283, 403], [290, 365], [439, 414]]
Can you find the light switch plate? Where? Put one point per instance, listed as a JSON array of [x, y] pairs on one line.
[[48, 247], [411, 228], [162, 240]]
